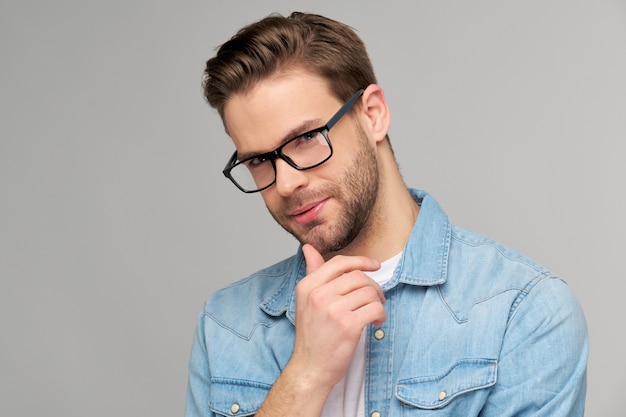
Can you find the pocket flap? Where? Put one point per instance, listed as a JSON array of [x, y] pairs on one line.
[[435, 391], [230, 397]]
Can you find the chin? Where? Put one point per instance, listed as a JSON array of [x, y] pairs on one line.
[[327, 245]]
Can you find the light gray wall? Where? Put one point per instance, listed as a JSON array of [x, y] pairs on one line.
[[116, 224]]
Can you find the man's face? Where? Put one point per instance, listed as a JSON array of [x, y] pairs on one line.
[[327, 206]]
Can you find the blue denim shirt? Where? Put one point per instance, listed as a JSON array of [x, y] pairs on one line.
[[473, 329]]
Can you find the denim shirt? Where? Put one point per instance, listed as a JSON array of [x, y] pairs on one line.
[[473, 329]]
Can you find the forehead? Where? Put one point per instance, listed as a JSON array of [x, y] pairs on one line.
[[260, 119]]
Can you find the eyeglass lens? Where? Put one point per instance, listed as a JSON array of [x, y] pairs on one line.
[[301, 152]]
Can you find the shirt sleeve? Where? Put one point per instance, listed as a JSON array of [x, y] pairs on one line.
[[543, 360], [198, 387]]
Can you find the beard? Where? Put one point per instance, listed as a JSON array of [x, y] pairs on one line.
[[356, 191]]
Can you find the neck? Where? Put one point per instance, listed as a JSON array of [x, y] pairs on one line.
[[392, 219]]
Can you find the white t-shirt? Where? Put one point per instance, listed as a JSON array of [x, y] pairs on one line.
[[347, 399]]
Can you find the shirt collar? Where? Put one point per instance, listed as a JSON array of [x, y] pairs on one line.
[[425, 257]]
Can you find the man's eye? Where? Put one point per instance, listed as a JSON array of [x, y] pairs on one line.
[[254, 162], [308, 136]]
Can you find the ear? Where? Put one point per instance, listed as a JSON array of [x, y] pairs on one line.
[[376, 112]]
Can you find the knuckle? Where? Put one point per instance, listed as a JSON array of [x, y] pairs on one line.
[[346, 324], [380, 309], [317, 297], [371, 292]]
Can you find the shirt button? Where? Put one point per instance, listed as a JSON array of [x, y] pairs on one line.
[[379, 334], [234, 408], [442, 395], [375, 414]]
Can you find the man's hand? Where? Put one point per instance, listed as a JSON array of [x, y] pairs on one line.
[[334, 302]]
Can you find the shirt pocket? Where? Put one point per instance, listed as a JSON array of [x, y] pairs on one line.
[[457, 391], [236, 397]]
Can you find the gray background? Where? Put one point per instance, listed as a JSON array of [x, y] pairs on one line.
[[116, 224]]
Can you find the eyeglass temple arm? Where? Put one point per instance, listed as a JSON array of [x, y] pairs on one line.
[[344, 109]]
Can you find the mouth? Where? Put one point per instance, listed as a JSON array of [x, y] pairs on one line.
[[307, 213]]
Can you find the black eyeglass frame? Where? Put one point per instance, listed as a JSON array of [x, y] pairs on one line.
[[278, 152]]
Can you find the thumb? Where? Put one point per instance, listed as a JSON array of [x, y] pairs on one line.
[[313, 258]]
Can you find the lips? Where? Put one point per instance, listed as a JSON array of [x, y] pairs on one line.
[[306, 214]]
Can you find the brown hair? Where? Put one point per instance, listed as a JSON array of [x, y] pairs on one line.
[[276, 43]]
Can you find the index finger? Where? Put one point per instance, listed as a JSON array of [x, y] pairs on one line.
[[324, 272]]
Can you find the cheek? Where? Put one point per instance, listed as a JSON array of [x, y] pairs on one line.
[[272, 201], [350, 136]]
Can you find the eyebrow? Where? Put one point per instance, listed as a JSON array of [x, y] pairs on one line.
[[303, 128]]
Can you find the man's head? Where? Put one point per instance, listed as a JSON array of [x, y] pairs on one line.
[[323, 46], [297, 96]]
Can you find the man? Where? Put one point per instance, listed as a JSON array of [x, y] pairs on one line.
[[386, 309]]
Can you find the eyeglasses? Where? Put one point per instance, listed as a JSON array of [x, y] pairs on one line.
[[305, 151]]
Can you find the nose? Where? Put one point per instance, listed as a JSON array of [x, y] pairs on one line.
[[288, 179]]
